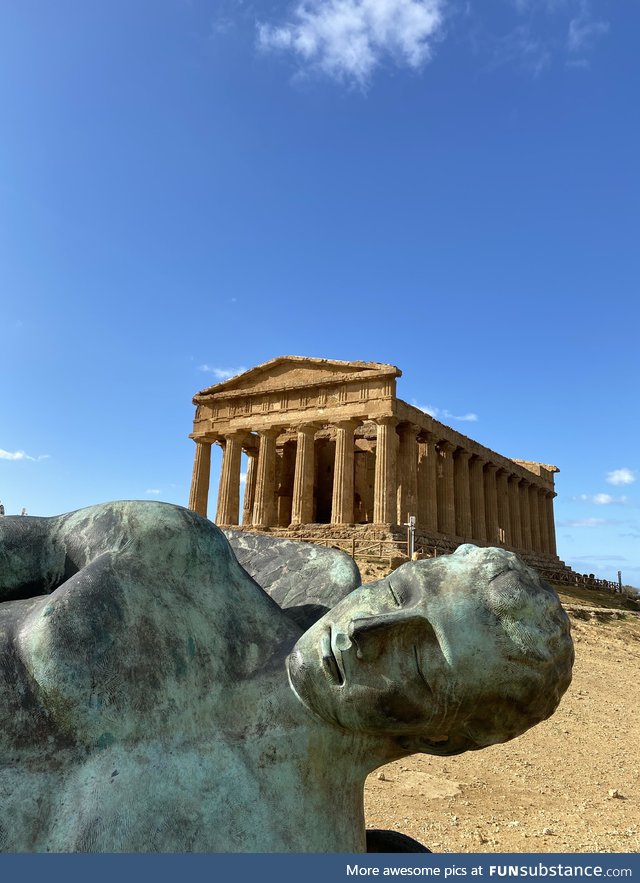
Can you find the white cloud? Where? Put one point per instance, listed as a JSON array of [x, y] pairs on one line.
[[428, 409], [607, 499], [20, 455], [471, 417], [243, 477], [621, 476], [584, 31], [443, 414], [347, 39], [601, 499], [153, 491], [222, 373]]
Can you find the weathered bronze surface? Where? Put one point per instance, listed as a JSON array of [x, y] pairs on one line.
[[154, 698]]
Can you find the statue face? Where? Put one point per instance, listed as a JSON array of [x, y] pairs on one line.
[[372, 663], [412, 653]]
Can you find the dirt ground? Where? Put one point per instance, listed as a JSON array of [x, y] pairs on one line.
[[570, 784]]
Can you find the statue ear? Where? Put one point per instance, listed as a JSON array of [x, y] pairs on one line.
[[423, 745]]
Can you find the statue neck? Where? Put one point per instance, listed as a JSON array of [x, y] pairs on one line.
[[278, 716]]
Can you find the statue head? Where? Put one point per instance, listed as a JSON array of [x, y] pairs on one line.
[[443, 655]]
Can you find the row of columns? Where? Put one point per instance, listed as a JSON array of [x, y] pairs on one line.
[[477, 500], [449, 489]]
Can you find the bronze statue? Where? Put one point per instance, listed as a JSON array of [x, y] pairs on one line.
[[154, 697]]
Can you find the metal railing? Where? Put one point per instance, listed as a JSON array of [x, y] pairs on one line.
[[362, 548], [582, 580], [383, 549]]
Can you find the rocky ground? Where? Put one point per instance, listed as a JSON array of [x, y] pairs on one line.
[[570, 784]]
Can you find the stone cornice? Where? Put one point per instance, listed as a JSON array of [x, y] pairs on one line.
[[442, 432]]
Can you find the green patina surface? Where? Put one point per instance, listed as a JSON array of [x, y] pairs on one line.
[[154, 697]]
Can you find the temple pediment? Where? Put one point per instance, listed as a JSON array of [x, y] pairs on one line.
[[294, 372]]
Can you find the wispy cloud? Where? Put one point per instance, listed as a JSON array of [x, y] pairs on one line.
[[526, 50], [634, 533], [20, 455], [222, 373], [243, 477], [153, 491], [526, 6], [584, 31], [347, 40], [601, 499], [621, 476], [588, 522], [598, 564], [598, 559], [546, 30], [578, 63], [228, 14], [443, 414]]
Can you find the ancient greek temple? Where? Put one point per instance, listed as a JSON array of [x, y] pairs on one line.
[[332, 451]]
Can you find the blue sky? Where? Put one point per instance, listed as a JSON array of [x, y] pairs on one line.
[[190, 188]]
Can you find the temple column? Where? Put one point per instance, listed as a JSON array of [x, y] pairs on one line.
[[342, 500], [427, 482], [462, 492], [249, 489], [535, 518], [491, 502], [264, 507], [384, 494], [302, 506], [504, 521], [542, 521], [229, 488], [551, 524], [407, 472], [476, 488], [199, 493], [514, 512], [446, 490], [525, 514]]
